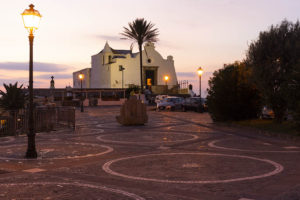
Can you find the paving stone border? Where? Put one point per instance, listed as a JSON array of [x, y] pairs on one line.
[[278, 168], [108, 150], [213, 145], [117, 191], [101, 138]]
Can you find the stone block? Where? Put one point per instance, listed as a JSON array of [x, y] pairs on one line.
[[133, 112]]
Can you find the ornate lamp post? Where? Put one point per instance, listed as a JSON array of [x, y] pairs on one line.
[[200, 72], [31, 20], [166, 78], [81, 77]]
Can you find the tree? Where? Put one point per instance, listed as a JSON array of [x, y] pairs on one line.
[[131, 89], [141, 31], [275, 62], [231, 95], [13, 99]]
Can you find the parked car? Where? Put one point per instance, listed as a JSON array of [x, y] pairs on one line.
[[267, 113], [159, 98], [194, 103], [171, 103]]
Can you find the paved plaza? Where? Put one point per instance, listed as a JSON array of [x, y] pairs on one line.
[[175, 156]]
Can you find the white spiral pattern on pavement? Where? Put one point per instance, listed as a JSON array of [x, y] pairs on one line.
[[122, 192], [10, 139], [213, 145], [278, 168], [108, 150], [194, 137]]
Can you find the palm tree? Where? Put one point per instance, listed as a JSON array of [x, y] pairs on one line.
[[141, 31], [13, 99]]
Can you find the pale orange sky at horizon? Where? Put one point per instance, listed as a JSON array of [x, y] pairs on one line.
[[207, 33]]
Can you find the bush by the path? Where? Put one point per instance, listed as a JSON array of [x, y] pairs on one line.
[[231, 96]]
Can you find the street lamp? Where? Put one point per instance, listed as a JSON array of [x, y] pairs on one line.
[[81, 77], [121, 68], [166, 81], [31, 20], [200, 72]]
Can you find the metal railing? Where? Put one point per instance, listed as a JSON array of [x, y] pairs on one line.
[[45, 119], [66, 116]]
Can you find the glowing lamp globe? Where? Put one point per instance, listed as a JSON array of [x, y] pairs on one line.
[[81, 76], [31, 18], [166, 78], [200, 71]]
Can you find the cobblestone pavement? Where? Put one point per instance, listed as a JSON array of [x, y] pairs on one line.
[[177, 155]]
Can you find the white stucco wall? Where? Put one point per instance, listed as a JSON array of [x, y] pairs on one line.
[[131, 72], [165, 66], [100, 73], [132, 68], [85, 82], [105, 74]]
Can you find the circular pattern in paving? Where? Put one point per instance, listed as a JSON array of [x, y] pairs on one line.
[[192, 168], [249, 145], [87, 123], [56, 151], [7, 139], [56, 134], [190, 128], [88, 131], [99, 125], [98, 130], [136, 137], [62, 190]]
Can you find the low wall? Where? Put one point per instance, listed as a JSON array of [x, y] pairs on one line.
[[110, 103]]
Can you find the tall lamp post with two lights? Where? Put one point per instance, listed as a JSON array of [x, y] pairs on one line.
[[200, 72], [31, 20], [81, 77]]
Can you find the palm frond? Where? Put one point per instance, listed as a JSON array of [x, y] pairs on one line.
[[140, 31], [13, 98]]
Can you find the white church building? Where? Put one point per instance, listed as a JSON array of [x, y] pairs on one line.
[[113, 68]]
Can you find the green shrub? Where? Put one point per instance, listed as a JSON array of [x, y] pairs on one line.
[[274, 60], [296, 115], [231, 96]]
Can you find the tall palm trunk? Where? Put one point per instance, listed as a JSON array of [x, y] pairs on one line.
[[141, 67]]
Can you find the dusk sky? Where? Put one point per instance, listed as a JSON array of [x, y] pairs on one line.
[[206, 33]]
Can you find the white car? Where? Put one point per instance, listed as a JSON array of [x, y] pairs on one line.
[[159, 98], [171, 103]]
